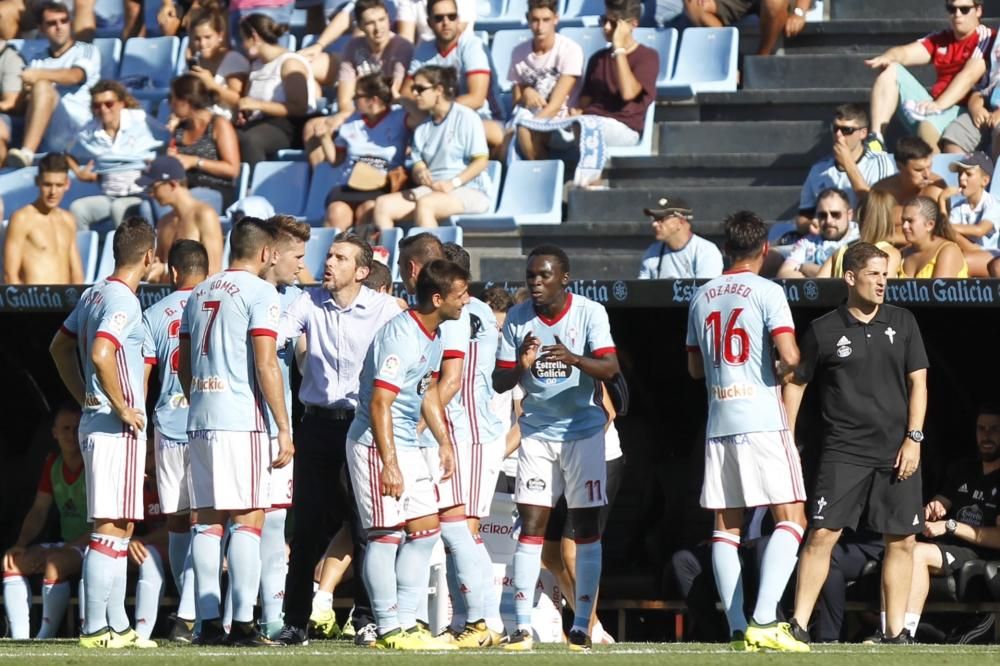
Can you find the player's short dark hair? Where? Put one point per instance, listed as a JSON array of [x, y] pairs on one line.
[[852, 112], [438, 277], [834, 192], [361, 6], [286, 226], [422, 248], [53, 163], [543, 4], [379, 277], [626, 9], [912, 148], [366, 256], [248, 236], [553, 251], [859, 254], [51, 6], [133, 238], [498, 298], [989, 408], [431, 3], [188, 257], [746, 235], [458, 254]]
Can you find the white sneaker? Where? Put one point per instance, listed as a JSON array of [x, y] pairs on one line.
[[20, 157]]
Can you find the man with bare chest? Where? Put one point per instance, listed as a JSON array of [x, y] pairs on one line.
[[41, 237], [915, 178], [166, 181]]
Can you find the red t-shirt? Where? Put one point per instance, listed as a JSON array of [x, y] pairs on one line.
[[600, 84], [949, 55], [45, 482]]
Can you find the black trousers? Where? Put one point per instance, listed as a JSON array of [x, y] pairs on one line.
[[321, 504], [261, 139]]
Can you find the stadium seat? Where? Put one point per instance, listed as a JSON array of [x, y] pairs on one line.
[[243, 184], [664, 42], [181, 65], [484, 37], [288, 41], [226, 248], [17, 188], [110, 18], [503, 45], [323, 177], [317, 248], [337, 46], [645, 145], [582, 13], [163, 111], [490, 9], [706, 62], [389, 239], [513, 16], [29, 48], [591, 40], [446, 234], [106, 263], [281, 183], [79, 189], [86, 244], [532, 192], [149, 12], [151, 57], [940, 164], [111, 56], [291, 155], [495, 171]]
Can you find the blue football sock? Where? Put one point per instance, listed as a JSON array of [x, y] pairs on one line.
[[100, 567], [413, 573], [186, 608], [588, 579], [491, 595], [148, 593], [244, 570], [379, 574], [729, 577], [458, 539], [780, 556], [178, 550], [55, 598], [527, 565], [206, 553], [117, 616], [17, 602], [273, 566], [459, 611]]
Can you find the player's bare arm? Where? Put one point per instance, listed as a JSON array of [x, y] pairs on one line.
[[504, 379], [603, 368], [908, 458], [184, 365], [791, 396], [265, 352], [937, 508], [103, 355], [63, 352], [432, 411], [788, 355], [391, 478], [450, 380], [31, 527], [696, 364], [981, 536]]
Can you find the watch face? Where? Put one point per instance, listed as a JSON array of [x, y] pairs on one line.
[[916, 435]]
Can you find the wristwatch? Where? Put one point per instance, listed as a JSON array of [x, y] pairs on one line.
[[950, 525], [456, 182], [619, 51], [798, 11], [916, 435]]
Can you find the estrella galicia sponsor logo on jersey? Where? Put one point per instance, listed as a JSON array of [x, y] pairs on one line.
[[425, 383], [550, 372]]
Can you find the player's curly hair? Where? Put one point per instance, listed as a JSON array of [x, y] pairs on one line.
[[746, 235], [133, 238], [553, 251]]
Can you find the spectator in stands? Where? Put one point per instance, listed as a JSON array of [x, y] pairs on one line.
[[450, 154], [413, 21], [913, 179], [467, 54], [620, 81], [852, 167], [875, 219], [166, 181], [279, 12], [113, 149], [931, 250], [774, 17], [378, 51], [677, 252], [221, 69], [544, 70], [979, 124], [61, 486], [371, 145], [204, 142], [40, 246], [11, 66], [974, 213], [837, 228], [379, 278], [281, 94], [968, 500], [958, 57], [56, 95]]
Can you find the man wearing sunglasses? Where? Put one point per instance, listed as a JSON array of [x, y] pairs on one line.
[[775, 17], [835, 228], [958, 57], [55, 99]]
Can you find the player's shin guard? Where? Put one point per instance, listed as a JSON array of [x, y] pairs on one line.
[[527, 565], [729, 577], [206, 552], [273, 567], [779, 560], [244, 569], [178, 549], [588, 580], [379, 574], [117, 617], [148, 593], [491, 595], [55, 598], [412, 567], [458, 539], [17, 602]]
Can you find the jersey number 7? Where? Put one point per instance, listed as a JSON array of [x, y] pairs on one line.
[[731, 343], [212, 307]]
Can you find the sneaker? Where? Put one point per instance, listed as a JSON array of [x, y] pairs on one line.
[[419, 637], [874, 143], [290, 635], [19, 157], [800, 634], [903, 638], [738, 643], [211, 633], [181, 630], [389, 641], [245, 634], [447, 635], [347, 632], [323, 624], [520, 641], [476, 635], [774, 636], [366, 636], [130, 639], [579, 641], [874, 639], [99, 639]]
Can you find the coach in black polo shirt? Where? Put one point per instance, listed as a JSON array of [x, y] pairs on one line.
[[871, 366]]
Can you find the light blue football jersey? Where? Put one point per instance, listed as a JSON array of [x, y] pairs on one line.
[[109, 310], [477, 383], [561, 404], [286, 357], [162, 323], [403, 358], [468, 56], [732, 320], [454, 344], [221, 317]]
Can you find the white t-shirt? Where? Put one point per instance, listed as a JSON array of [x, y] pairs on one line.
[[542, 71], [233, 62], [825, 173], [415, 11], [814, 249], [75, 99], [266, 82], [700, 258], [962, 212]]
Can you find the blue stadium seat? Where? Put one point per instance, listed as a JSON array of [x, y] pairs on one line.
[[484, 37], [940, 164], [111, 56], [336, 47], [110, 17], [181, 65], [243, 184], [163, 111], [513, 16], [645, 145], [446, 234], [317, 248], [288, 41], [17, 188], [29, 48], [503, 45], [106, 264], [291, 155], [389, 239], [226, 248], [582, 13], [281, 183], [532, 194], [706, 62], [495, 171], [149, 12], [86, 243], [323, 177], [591, 40], [664, 42], [490, 9], [154, 58], [79, 189]]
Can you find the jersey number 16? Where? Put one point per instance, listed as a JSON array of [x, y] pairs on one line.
[[729, 342]]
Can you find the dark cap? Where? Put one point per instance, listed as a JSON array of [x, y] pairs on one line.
[[667, 206], [161, 169], [977, 159]]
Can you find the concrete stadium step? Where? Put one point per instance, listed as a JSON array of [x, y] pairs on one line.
[[763, 105], [742, 137], [812, 71], [731, 169], [862, 36], [709, 203], [876, 9]]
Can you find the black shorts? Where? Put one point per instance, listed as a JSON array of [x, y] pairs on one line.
[[843, 492], [954, 557], [731, 12], [561, 526]]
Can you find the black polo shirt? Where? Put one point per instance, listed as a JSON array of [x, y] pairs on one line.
[[862, 369], [974, 498]]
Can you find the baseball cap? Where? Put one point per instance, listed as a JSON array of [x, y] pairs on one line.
[[162, 168], [977, 159], [669, 206]]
